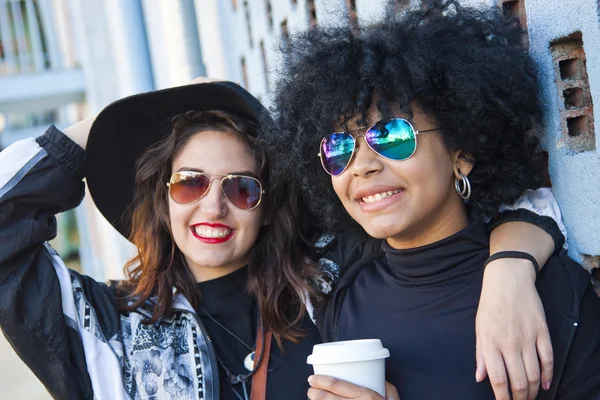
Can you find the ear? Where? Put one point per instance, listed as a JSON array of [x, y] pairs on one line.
[[268, 218], [463, 163]]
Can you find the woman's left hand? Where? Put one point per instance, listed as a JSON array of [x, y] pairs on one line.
[[512, 335], [324, 387]]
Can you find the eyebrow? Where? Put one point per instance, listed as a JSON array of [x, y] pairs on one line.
[[247, 173], [370, 125]]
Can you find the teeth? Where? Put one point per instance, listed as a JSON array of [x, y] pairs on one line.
[[211, 233], [379, 196]]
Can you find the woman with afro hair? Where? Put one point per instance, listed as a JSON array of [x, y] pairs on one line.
[[425, 125]]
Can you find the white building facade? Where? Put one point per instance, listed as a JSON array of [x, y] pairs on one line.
[[62, 60]]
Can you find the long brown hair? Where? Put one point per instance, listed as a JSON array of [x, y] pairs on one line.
[[278, 272]]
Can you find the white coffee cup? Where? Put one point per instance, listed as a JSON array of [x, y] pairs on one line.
[[361, 362]]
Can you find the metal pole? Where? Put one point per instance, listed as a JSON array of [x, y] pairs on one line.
[[36, 36], [6, 39], [21, 39]]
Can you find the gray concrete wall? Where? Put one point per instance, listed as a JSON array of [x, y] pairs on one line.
[[575, 176]]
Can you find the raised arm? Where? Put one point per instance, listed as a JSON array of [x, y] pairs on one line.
[[40, 299]]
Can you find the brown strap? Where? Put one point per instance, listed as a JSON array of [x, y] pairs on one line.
[[259, 378]]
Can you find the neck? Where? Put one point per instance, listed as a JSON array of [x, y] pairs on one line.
[[203, 274], [444, 222]]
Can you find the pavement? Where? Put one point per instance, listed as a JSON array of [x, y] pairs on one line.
[[17, 382]]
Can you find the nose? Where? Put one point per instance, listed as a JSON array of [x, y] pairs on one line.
[[366, 162], [214, 204]]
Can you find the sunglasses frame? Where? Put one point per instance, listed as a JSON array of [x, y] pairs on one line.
[[355, 146], [211, 178]]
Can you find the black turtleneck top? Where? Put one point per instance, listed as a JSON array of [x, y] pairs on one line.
[[227, 301], [422, 303]]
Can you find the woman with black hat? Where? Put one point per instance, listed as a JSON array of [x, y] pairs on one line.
[[211, 284], [180, 174], [417, 128]]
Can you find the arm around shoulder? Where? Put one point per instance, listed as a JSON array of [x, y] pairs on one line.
[[509, 301], [537, 207]]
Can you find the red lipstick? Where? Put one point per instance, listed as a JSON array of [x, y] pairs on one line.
[[212, 240]]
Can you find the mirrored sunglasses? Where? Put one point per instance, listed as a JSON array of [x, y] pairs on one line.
[[187, 187], [394, 139]]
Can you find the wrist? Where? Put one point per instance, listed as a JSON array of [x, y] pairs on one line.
[[80, 131], [522, 269], [76, 135]]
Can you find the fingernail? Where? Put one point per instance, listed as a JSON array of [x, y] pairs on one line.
[[546, 385], [310, 378]]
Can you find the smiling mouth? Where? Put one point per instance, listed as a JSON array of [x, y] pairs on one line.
[[379, 196], [207, 232]]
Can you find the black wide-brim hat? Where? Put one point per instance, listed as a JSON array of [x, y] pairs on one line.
[[127, 127]]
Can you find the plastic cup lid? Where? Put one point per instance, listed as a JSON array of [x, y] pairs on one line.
[[348, 351]]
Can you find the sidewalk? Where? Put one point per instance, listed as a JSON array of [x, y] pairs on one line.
[[16, 381]]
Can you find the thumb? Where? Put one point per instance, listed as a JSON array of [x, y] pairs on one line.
[[390, 392]]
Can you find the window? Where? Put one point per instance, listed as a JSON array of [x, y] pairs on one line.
[[575, 100], [244, 73], [30, 119], [285, 33], [263, 53], [352, 15], [516, 8], [22, 38], [591, 262], [311, 12], [269, 11], [284, 39], [248, 23], [68, 242]]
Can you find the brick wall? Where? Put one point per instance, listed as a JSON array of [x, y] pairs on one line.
[[564, 38], [573, 90]]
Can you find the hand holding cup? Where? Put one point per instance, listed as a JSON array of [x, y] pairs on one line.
[[359, 362], [325, 387]]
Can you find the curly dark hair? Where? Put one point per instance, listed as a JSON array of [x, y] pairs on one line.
[[466, 67]]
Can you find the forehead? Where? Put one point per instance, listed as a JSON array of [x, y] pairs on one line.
[[414, 114], [216, 152]]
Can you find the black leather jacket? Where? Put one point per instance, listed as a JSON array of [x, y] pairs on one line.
[[65, 326]]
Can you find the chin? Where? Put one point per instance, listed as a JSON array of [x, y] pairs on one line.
[[211, 263], [383, 231], [376, 234], [380, 233], [206, 262]]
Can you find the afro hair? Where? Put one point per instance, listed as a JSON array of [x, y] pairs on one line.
[[467, 67]]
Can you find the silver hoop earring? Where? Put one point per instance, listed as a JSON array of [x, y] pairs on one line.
[[463, 187]]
